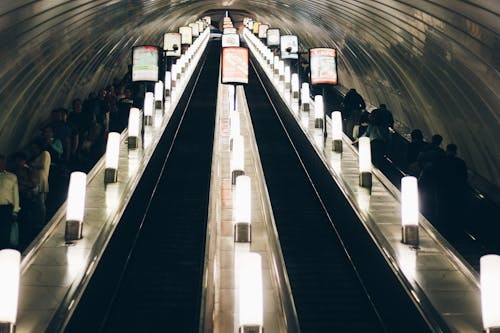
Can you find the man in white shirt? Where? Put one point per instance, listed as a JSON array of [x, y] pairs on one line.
[[9, 202]]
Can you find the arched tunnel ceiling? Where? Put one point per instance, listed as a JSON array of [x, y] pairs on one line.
[[435, 63]]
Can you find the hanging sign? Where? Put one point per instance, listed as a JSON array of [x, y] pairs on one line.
[[172, 44], [230, 31], [323, 62], [235, 65], [230, 40], [145, 63], [289, 47], [186, 35], [273, 37]]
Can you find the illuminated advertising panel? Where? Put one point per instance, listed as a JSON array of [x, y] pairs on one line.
[[273, 37], [186, 35], [230, 40], [200, 26], [263, 30], [145, 63], [195, 29], [289, 47], [234, 65], [255, 28], [172, 44], [230, 31], [323, 62]]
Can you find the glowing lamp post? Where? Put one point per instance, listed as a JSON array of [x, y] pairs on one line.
[[134, 128], [149, 102], [112, 156], [288, 79], [276, 62], [75, 206], [490, 292], [250, 293], [281, 70], [10, 266], [173, 75], [319, 111], [237, 158], [159, 91], [243, 210], [409, 210], [337, 131], [304, 96], [295, 86], [168, 84], [365, 162]]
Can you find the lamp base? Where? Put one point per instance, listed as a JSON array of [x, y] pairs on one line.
[[318, 123], [159, 105], [276, 72], [295, 95], [148, 120], [242, 233], [493, 330], [365, 179], [251, 329], [173, 83], [282, 78], [133, 142], [409, 235], [74, 231], [337, 146], [7, 327], [167, 92], [110, 175], [287, 86], [235, 174], [306, 107]]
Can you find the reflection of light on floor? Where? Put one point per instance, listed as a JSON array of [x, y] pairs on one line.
[[336, 162], [158, 119], [112, 197], [304, 119], [408, 262], [76, 258], [318, 139], [133, 162], [295, 106], [363, 198], [148, 136]]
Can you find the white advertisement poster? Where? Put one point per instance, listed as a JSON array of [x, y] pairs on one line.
[[323, 62], [263, 30], [273, 37], [289, 47], [186, 35], [229, 40], [145, 63], [172, 44]]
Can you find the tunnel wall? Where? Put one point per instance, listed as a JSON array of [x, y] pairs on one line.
[[434, 63]]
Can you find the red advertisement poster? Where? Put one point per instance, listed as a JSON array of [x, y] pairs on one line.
[[323, 62], [234, 65]]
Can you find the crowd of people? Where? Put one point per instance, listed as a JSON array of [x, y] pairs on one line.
[[34, 180], [442, 175]]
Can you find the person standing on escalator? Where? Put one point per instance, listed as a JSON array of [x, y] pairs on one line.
[[352, 108]]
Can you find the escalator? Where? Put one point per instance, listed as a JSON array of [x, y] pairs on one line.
[[340, 282], [150, 276]]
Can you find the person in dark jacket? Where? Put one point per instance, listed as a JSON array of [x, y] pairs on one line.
[[352, 106], [415, 147]]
